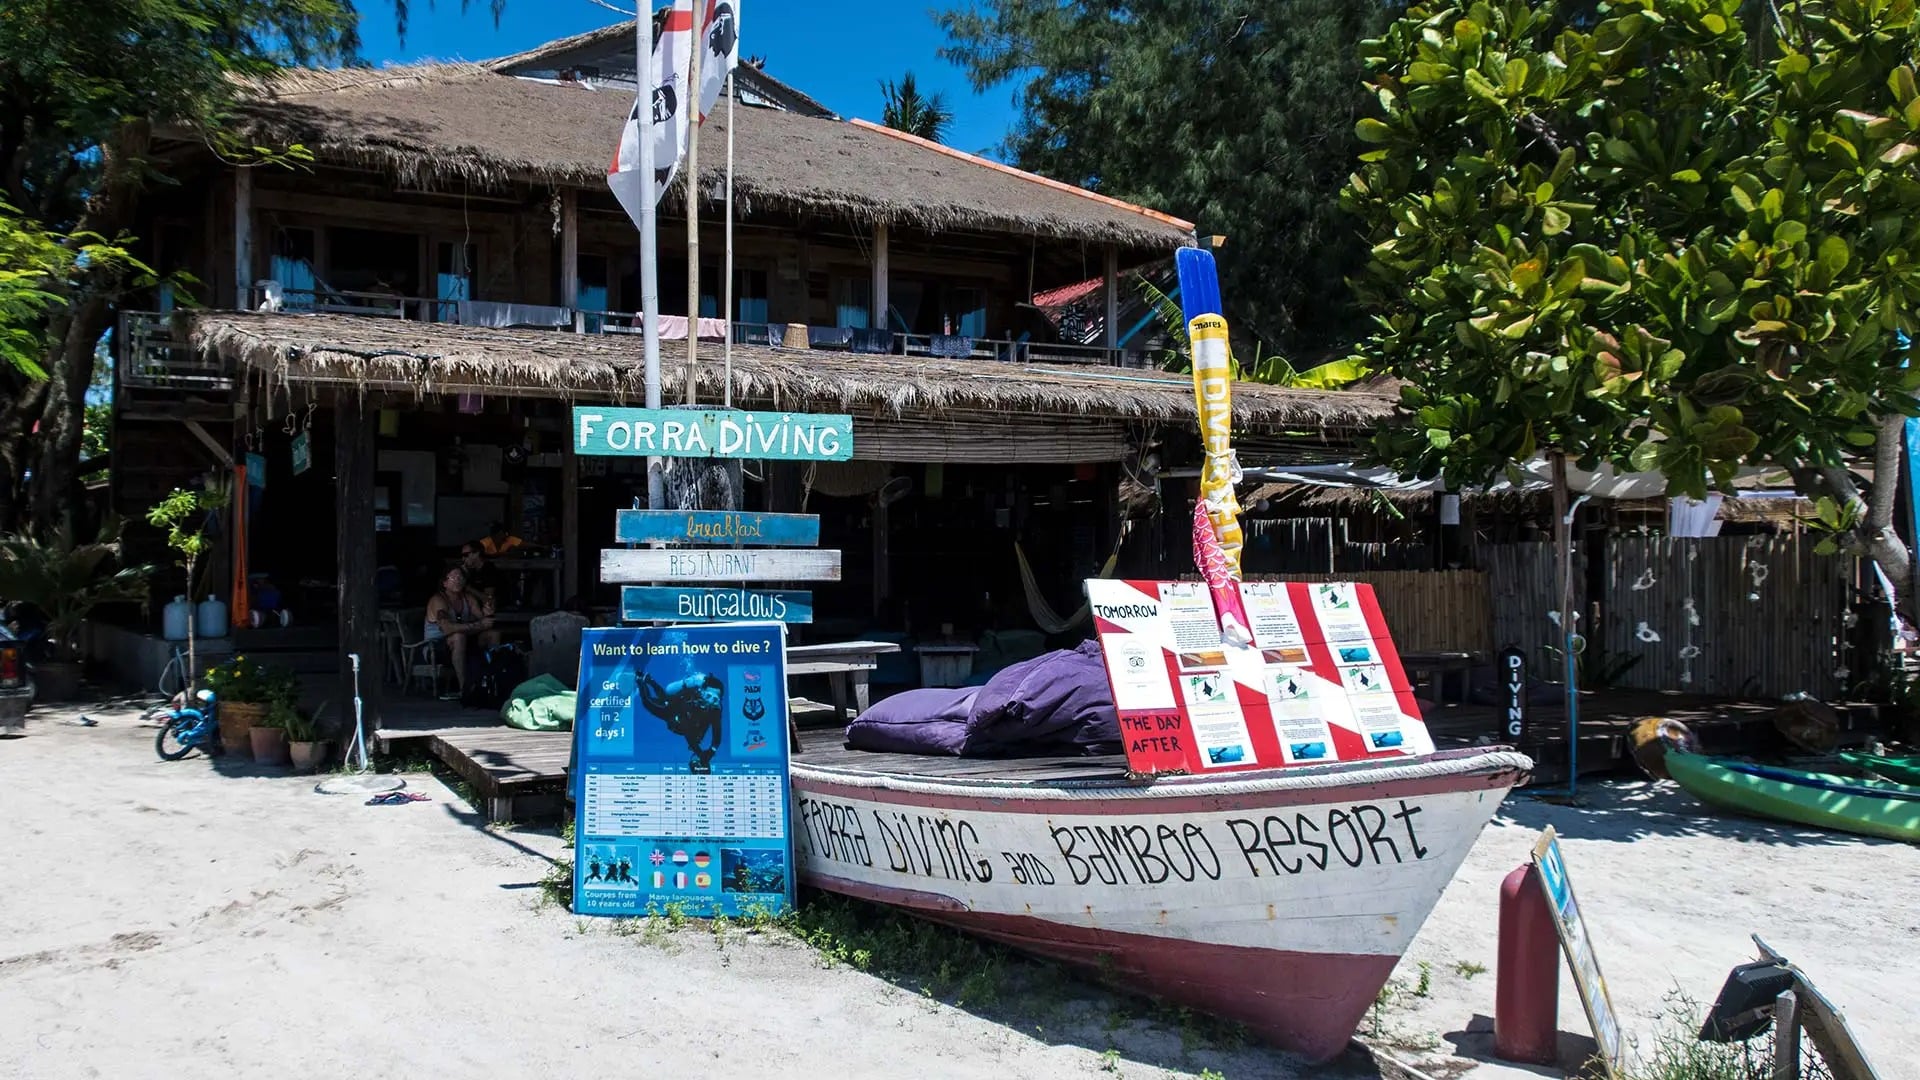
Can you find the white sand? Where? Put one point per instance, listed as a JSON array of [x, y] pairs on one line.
[[168, 920]]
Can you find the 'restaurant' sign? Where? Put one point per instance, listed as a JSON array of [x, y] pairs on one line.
[[711, 433]]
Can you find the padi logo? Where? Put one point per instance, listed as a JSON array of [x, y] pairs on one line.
[[1126, 611]]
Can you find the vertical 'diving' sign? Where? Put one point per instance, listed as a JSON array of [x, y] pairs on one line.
[[1513, 675]]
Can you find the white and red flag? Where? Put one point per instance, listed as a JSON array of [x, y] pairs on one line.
[[720, 38]]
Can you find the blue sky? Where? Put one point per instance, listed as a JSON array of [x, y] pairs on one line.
[[836, 50]]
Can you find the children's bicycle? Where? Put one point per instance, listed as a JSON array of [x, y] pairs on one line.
[[188, 727]]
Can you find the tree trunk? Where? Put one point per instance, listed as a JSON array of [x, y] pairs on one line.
[[1877, 533], [75, 332]]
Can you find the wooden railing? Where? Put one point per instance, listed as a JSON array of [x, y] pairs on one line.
[[581, 320], [151, 357]]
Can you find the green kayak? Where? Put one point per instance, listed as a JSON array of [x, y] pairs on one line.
[[1823, 800], [1902, 770]]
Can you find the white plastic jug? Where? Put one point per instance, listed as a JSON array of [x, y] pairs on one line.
[[174, 619], [213, 618]]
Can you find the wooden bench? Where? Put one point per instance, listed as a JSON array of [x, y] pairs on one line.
[[848, 666]]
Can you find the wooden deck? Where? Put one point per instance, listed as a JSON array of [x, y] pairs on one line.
[[520, 774]]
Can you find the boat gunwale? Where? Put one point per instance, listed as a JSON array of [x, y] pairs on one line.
[[1486, 762]]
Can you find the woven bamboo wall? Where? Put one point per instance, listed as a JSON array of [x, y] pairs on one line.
[[1426, 610], [1523, 588], [1768, 614]]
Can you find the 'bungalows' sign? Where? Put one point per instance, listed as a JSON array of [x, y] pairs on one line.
[[641, 603], [711, 433]]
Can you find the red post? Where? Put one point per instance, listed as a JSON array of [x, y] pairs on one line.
[[1526, 992]]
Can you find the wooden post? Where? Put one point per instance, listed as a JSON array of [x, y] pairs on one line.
[[1563, 561], [693, 203], [1112, 335], [570, 553], [570, 255], [1786, 1036], [354, 426], [881, 301], [242, 242]]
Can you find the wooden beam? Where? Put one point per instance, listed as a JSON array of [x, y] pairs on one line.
[[570, 251], [354, 426], [570, 553], [242, 236], [880, 257], [1111, 337], [220, 453]]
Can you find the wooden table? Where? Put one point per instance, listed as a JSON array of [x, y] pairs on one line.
[[848, 665], [1438, 664]]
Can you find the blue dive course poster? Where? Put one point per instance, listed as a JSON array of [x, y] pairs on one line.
[[681, 744]]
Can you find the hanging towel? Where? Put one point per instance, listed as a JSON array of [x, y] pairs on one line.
[[490, 313], [829, 337], [950, 346], [674, 328], [864, 340]]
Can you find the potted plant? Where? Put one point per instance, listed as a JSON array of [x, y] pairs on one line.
[[183, 514], [268, 738], [304, 744], [247, 692], [63, 580]]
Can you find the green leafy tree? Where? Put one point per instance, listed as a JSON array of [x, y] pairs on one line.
[[1237, 115], [910, 111], [82, 88], [1680, 235]]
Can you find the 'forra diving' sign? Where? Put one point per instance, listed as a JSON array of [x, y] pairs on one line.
[[712, 433]]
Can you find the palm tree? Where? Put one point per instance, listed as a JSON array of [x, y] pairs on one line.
[[907, 111]]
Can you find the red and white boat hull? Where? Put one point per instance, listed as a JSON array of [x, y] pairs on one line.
[[1281, 899]]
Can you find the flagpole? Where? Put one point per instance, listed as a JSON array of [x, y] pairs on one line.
[[649, 239], [698, 44], [726, 312]]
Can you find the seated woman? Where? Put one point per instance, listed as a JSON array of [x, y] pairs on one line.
[[456, 617]]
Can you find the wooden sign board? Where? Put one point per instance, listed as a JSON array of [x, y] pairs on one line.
[[666, 603], [711, 433], [716, 527], [1551, 870], [620, 566]]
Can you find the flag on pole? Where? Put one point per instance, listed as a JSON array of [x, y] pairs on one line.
[[720, 36]]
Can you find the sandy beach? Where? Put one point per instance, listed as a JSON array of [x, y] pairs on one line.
[[194, 919]]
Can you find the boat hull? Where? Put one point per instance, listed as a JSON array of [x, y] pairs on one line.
[[1280, 899]]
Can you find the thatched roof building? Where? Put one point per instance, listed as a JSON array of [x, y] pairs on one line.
[[396, 356], [455, 126]]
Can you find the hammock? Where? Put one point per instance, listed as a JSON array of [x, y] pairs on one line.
[[1037, 606]]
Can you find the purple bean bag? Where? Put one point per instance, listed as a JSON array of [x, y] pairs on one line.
[[1053, 705]]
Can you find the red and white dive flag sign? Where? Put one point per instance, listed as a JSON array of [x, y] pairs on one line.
[[1322, 682], [720, 37]]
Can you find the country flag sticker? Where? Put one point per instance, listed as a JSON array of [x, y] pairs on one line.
[[680, 858], [703, 881], [657, 857], [701, 858]]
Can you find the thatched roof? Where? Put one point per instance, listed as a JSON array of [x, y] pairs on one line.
[[447, 125], [440, 358]]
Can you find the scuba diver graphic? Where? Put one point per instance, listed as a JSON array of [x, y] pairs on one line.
[[690, 707]]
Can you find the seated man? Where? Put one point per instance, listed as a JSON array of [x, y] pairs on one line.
[[457, 617], [482, 578], [499, 541]]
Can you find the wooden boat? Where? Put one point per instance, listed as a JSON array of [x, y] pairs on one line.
[[1900, 770], [1281, 898], [1824, 800]]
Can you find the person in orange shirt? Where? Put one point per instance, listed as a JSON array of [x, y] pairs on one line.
[[499, 541]]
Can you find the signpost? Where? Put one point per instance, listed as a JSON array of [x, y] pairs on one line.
[[716, 527], [712, 433], [681, 746], [639, 603], [1320, 683], [1513, 674], [623, 565], [1551, 869]]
